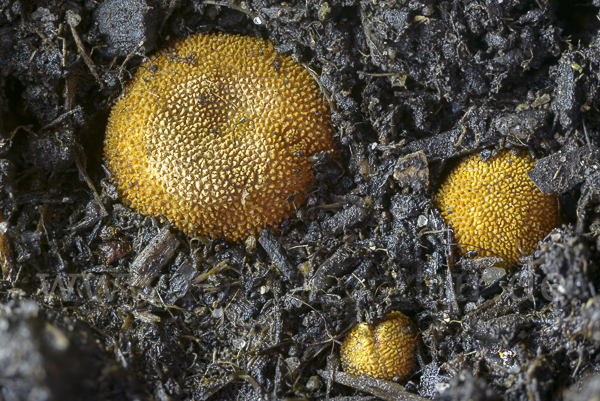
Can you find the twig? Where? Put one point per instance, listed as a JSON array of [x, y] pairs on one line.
[[73, 20], [9, 271], [172, 6], [83, 173], [129, 56], [61, 118]]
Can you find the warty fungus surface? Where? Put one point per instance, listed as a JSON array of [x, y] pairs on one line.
[[387, 350], [215, 134], [493, 207]]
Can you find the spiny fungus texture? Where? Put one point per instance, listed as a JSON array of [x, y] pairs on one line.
[[384, 351], [215, 134], [494, 208]]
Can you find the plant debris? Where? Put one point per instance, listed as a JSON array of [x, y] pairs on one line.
[[100, 302]]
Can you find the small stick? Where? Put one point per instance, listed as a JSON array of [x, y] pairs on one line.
[[73, 20]]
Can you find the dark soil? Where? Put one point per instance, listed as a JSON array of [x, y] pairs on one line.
[[100, 302]]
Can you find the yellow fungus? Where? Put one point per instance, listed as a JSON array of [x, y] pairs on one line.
[[387, 350], [495, 208], [215, 134]]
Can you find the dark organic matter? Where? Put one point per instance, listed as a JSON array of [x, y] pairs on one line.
[[134, 309]]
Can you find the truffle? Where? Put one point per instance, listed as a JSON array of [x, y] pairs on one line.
[[215, 134], [494, 207], [384, 351]]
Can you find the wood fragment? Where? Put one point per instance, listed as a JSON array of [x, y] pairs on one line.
[[73, 20]]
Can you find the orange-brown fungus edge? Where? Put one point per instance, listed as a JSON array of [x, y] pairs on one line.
[[384, 351], [495, 208], [215, 134]]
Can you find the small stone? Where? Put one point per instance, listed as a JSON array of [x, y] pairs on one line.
[[492, 274], [313, 383]]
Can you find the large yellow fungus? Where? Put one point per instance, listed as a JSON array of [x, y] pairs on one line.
[[384, 351], [215, 134], [494, 207]]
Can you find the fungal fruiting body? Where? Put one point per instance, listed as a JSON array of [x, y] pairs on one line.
[[387, 350], [493, 207], [215, 135]]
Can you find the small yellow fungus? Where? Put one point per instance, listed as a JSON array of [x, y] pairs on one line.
[[215, 135], [494, 207], [384, 351]]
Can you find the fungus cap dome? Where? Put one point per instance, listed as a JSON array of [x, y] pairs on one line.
[[215, 134], [387, 350], [495, 208]]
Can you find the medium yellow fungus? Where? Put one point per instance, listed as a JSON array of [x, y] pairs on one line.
[[215, 134], [494, 207], [384, 351]]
